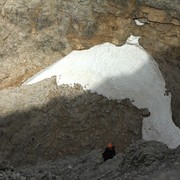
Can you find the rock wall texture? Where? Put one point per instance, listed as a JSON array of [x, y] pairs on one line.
[[34, 34], [142, 160], [36, 126]]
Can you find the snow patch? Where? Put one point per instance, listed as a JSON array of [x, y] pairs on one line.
[[138, 23], [121, 72]]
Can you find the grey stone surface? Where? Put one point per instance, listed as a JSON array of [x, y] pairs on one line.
[[36, 126], [34, 34], [62, 120], [173, 8], [142, 160]]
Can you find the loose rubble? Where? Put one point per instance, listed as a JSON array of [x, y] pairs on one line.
[[63, 120], [142, 160]]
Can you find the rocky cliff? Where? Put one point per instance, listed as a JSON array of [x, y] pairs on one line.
[[36, 33], [141, 161], [36, 126], [33, 34]]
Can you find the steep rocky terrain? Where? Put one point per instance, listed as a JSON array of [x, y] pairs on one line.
[[61, 121], [141, 161], [33, 34], [70, 126]]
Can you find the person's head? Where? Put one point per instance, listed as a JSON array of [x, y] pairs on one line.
[[110, 145]]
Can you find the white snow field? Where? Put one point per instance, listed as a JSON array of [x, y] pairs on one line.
[[121, 72]]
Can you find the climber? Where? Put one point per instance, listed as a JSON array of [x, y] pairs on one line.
[[109, 152]]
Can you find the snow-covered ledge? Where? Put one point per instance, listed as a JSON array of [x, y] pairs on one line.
[[121, 72]]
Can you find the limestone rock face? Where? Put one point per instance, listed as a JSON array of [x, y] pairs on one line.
[[141, 161], [34, 34], [36, 126]]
